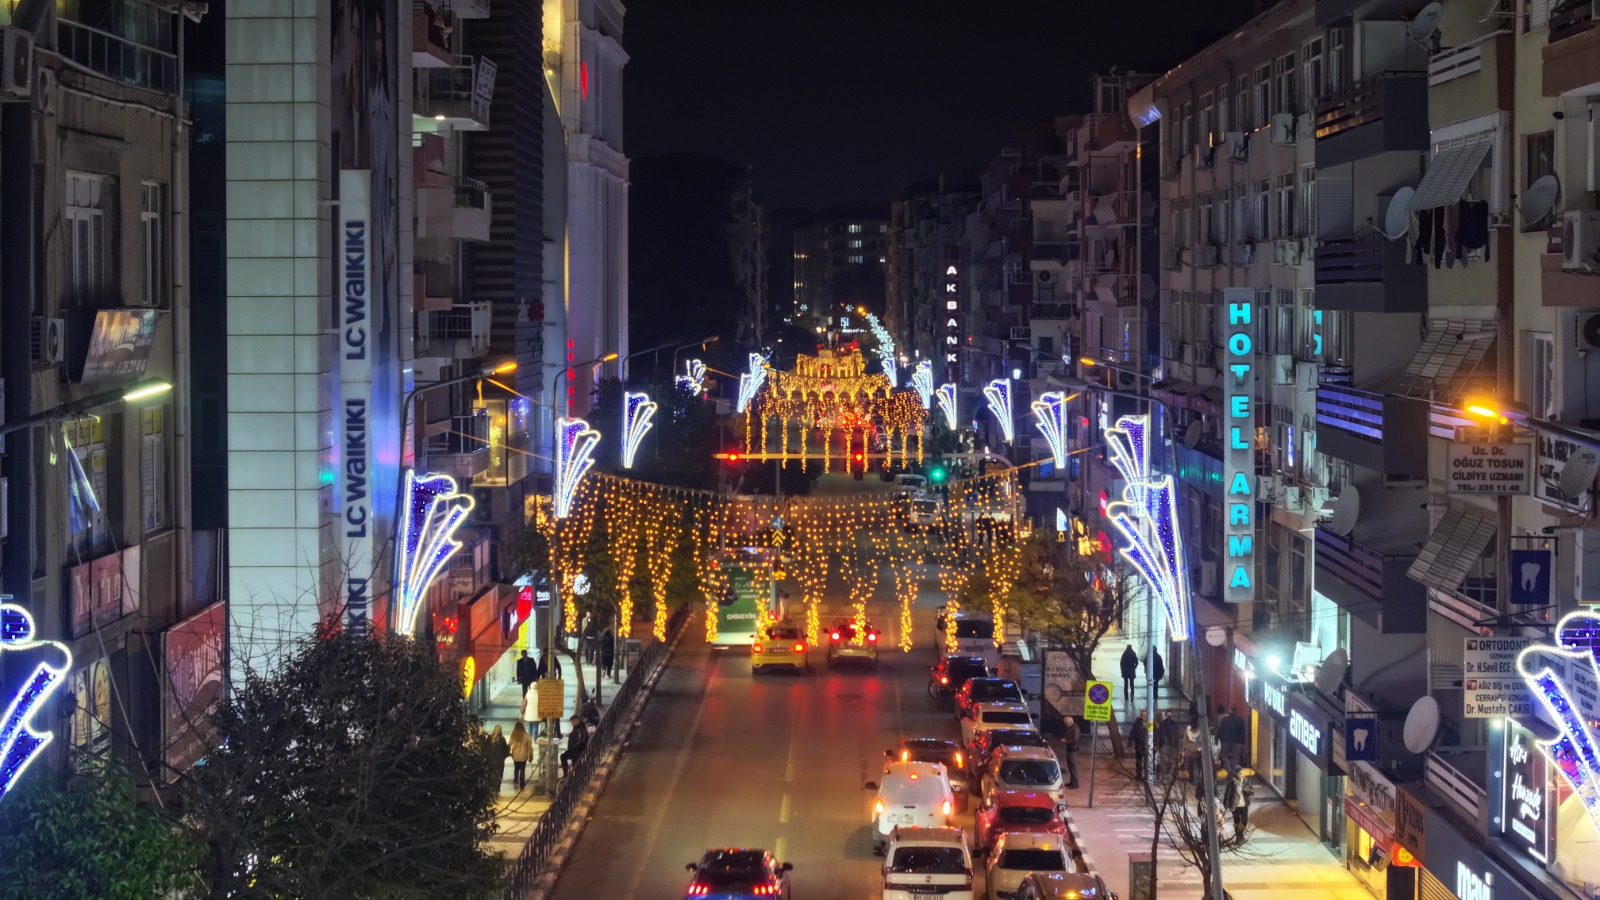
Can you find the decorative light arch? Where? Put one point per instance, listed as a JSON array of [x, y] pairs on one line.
[[20, 743], [637, 411], [922, 380], [885, 350], [998, 393], [1050, 416], [435, 509], [695, 381], [947, 404], [1147, 519], [1565, 680], [575, 442], [750, 382]]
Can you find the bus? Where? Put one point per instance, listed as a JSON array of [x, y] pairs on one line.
[[748, 597]]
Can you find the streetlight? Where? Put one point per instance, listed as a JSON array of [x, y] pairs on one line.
[[701, 343], [568, 369], [1506, 414], [142, 391]]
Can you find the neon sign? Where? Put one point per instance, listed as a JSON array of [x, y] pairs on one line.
[[434, 513], [922, 380], [575, 442], [1050, 416], [20, 744], [947, 404], [1566, 682], [1147, 518], [637, 411], [695, 381], [1238, 457], [751, 380], [998, 393], [951, 298]]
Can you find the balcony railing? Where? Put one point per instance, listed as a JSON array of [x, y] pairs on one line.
[[1351, 409], [1369, 274], [117, 57], [457, 95], [1351, 261], [460, 332], [1357, 563], [462, 452], [1570, 19]]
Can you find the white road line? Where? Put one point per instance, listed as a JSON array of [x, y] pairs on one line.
[[684, 752], [777, 850]]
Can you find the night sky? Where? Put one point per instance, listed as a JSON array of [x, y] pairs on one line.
[[835, 100]]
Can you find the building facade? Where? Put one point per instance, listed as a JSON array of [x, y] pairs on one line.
[[839, 264]]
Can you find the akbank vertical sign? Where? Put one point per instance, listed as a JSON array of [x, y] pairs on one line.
[[950, 304], [1239, 443], [353, 428]]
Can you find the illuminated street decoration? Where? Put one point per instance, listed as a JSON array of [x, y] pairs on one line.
[[947, 404], [1564, 679], [637, 411], [1238, 452], [750, 381], [922, 380], [20, 744], [695, 381], [1147, 519], [433, 513], [575, 442], [998, 393], [951, 298], [885, 350], [1050, 416]]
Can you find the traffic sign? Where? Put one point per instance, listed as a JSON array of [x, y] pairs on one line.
[[1097, 701]]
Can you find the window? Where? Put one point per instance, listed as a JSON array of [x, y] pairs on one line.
[[853, 229], [153, 456], [86, 485], [90, 221], [1283, 326], [1219, 221], [1208, 119], [1312, 73], [883, 229], [1539, 160], [1306, 222], [1244, 118], [1203, 223], [1261, 87], [855, 244], [1536, 14], [1335, 328], [1340, 73], [1185, 119], [855, 260], [1261, 321], [1540, 389], [152, 220], [1283, 88], [1261, 211]]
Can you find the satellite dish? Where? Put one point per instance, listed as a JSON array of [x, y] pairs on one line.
[[1540, 198], [1397, 218], [1422, 725], [1191, 435], [1331, 673], [1216, 635], [1346, 510], [1578, 474], [1425, 24]]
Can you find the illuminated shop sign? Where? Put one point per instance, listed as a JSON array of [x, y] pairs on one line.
[[1306, 734], [1272, 696], [1472, 884], [355, 386], [1525, 794], [1310, 727], [1238, 459], [950, 300]]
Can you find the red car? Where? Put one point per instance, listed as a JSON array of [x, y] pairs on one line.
[[1030, 811]]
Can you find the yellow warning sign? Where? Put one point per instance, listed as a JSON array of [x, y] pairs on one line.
[[552, 698]]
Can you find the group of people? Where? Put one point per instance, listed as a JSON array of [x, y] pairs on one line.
[[519, 749], [1178, 747]]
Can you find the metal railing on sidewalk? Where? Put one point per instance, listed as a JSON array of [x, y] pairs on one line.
[[552, 825]]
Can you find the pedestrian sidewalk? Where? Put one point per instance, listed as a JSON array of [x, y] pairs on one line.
[[1283, 860]]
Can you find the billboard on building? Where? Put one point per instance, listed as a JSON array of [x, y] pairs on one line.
[[192, 653], [119, 344]]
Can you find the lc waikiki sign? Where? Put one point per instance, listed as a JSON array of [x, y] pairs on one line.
[[354, 415], [950, 297], [1238, 457]]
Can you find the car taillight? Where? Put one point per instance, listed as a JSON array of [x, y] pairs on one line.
[[872, 637], [755, 648], [877, 807], [944, 679], [905, 755], [799, 648], [960, 760], [699, 889], [835, 635], [769, 889], [946, 807]]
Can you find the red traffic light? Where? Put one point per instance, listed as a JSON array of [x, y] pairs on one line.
[[733, 457], [860, 457]]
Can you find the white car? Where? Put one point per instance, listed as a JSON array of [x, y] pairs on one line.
[[908, 485], [924, 861], [984, 716], [1017, 854], [1023, 769], [911, 795]]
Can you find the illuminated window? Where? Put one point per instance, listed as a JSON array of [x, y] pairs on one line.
[[153, 456], [854, 229], [89, 218], [856, 260], [855, 244], [153, 221], [87, 497]]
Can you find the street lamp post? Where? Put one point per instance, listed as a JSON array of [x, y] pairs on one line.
[[700, 343]]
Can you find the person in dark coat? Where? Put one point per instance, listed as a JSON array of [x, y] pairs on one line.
[[1231, 734], [1130, 671], [608, 651], [1139, 739], [577, 740], [1069, 740], [1168, 735], [527, 672], [1156, 668], [550, 664]]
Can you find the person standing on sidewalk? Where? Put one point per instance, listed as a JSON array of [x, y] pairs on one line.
[[1168, 737], [1231, 735], [1130, 671], [521, 747], [1139, 739], [499, 751], [577, 741], [1069, 740], [550, 664], [1156, 668], [608, 652], [527, 672], [1236, 798]]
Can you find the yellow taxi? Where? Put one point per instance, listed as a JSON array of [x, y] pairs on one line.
[[780, 646]]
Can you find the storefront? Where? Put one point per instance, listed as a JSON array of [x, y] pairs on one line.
[[1455, 867], [1372, 851], [1273, 752], [1314, 729], [1535, 821]]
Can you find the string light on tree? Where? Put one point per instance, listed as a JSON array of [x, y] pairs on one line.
[[435, 510], [575, 443], [637, 411], [947, 405], [1050, 416], [998, 393]]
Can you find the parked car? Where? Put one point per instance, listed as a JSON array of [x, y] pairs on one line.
[[984, 716], [921, 862], [1023, 769], [1017, 854], [984, 743], [1059, 886], [1003, 811], [911, 794], [951, 672], [988, 690], [935, 750]]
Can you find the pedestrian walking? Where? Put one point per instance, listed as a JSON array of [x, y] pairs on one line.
[[1069, 741], [608, 651], [1139, 739], [527, 672], [1236, 797], [550, 664], [1168, 737], [521, 749], [1130, 671], [1231, 734], [1155, 668], [577, 741], [500, 750]]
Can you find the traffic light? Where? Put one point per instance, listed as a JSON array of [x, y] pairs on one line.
[[733, 457], [937, 474], [858, 464]]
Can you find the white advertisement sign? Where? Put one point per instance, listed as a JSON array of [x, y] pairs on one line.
[[353, 417], [1554, 484], [1492, 687], [1477, 467], [1063, 689]]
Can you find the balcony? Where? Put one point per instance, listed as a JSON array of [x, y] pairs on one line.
[[1369, 275], [460, 211], [1060, 251], [429, 165], [460, 332], [1361, 575], [431, 29], [1378, 115], [1561, 283], [432, 285], [1102, 132], [1572, 55], [1116, 208], [461, 451], [117, 57], [1385, 433], [454, 98]]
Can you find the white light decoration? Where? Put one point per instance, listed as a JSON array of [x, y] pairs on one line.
[[947, 404], [695, 381], [998, 393], [1564, 679], [751, 381], [434, 512], [575, 442], [637, 411], [1050, 416], [1147, 518], [922, 380], [885, 350], [20, 744]]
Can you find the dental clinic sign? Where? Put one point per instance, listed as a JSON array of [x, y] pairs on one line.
[[353, 416], [950, 302], [1239, 438]]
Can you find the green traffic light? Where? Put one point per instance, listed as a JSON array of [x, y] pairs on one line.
[[936, 474]]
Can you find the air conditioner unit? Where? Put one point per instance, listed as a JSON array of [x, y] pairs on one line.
[[1169, 349], [1170, 260], [1269, 488], [1305, 376], [44, 93], [1204, 156], [1244, 254], [1293, 499], [1238, 146], [49, 341], [1021, 333], [16, 64], [1580, 240], [1045, 276], [1208, 256], [1290, 252], [1283, 129], [1283, 369]]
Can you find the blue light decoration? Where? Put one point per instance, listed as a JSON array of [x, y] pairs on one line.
[[1565, 680], [751, 381], [435, 510], [1050, 416], [885, 350], [947, 404], [575, 442], [637, 411], [695, 381], [922, 380], [20, 744], [998, 393], [1239, 450], [1147, 519]]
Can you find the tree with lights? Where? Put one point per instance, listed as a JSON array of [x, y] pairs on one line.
[[88, 837], [1071, 599], [354, 769]]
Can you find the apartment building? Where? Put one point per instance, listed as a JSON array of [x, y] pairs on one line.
[[926, 235], [100, 546], [749, 253], [839, 262]]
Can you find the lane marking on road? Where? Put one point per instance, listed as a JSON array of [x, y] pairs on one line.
[[684, 752], [778, 850], [783, 809], [794, 750]]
